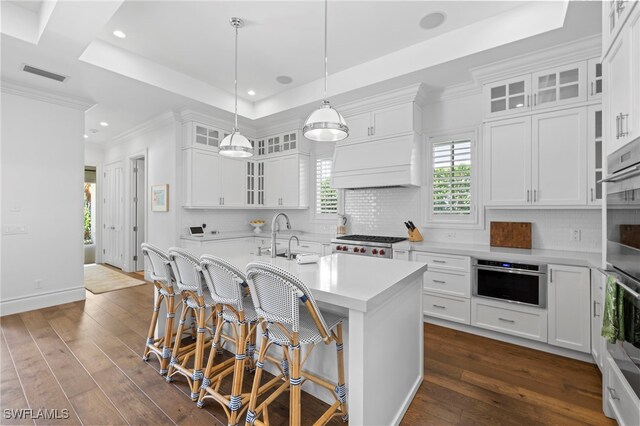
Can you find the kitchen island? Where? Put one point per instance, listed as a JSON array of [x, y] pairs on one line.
[[382, 301]]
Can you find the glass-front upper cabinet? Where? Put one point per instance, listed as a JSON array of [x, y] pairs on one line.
[[594, 154], [594, 73], [507, 96], [561, 85]]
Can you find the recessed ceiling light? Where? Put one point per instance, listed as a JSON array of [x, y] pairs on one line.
[[119, 34], [432, 20], [284, 79], [94, 131], [104, 124], [251, 92], [86, 136]]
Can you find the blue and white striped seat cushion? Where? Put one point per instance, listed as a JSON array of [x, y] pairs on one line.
[[308, 332]]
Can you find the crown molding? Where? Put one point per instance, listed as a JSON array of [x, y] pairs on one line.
[[573, 51], [453, 92], [14, 88], [156, 122], [413, 93], [280, 127]]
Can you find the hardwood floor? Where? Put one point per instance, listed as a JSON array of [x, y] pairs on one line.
[[84, 357]]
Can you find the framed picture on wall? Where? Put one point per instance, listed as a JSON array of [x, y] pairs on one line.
[[160, 198]]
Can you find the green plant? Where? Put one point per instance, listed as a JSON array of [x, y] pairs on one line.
[[88, 239]]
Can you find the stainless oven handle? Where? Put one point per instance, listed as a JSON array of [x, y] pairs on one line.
[[510, 271], [635, 170], [624, 286]]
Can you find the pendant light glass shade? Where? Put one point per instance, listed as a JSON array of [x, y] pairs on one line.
[[325, 124], [235, 145]]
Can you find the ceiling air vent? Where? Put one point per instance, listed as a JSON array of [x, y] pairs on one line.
[[43, 73]]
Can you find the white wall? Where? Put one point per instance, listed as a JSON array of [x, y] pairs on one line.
[[159, 143], [93, 154], [42, 157]]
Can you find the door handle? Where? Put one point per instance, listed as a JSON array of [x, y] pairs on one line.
[[592, 88], [595, 309], [368, 131], [591, 194], [528, 195], [527, 101], [617, 127], [550, 275], [623, 119], [535, 195], [373, 130]]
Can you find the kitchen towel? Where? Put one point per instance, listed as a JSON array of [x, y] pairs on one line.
[[613, 318], [307, 258]]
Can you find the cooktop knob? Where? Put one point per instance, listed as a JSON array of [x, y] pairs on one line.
[[374, 251], [356, 250], [381, 252], [363, 250]]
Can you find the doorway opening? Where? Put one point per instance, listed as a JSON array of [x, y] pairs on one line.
[[90, 197]]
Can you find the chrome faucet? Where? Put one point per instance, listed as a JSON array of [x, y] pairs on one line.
[[289, 257], [274, 222]]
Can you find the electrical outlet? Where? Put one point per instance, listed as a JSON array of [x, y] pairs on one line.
[[574, 234], [39, 283], [451, 234]]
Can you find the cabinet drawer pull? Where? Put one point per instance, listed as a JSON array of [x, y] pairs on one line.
[[439, 281], [617, 127], [528, 195], [527, 101], [535, 195], [439, 261], [592, 194], [303, 246], [506, 320], [535, 99], [623, 120], [439, 306], [592, 88], [613, 393]]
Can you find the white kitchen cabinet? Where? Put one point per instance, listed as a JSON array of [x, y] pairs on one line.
[[286, 181], [401, 254], [507, 162], [594, 76], [509, 318], [202, 136], [559, 157], [450, 308], [508, 96], [255, 183], [384, 122], [594, 154], [232, 182], [619, 396], [598, 343], [559, 86], [280, 143], [445, 262], [569, 298], [537, 160], [622, 88], [201, 178], [614, 15]]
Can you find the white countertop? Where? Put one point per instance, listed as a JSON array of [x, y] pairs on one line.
[[352, 282], [572, 258], [304, 236]]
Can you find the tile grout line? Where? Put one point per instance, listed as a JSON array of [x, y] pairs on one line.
[[17, 374]]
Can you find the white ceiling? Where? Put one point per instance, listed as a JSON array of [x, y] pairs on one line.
[[180, 54]]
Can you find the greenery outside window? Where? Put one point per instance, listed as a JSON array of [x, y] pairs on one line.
[[326, 197], [452, 195]]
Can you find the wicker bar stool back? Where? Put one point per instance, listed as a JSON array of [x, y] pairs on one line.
[[291, 318], [162, 277], [189, 281], [229, 290]]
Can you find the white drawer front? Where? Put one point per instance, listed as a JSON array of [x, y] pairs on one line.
[[519, 321], [447, 261], [307, 247], [451, 283], [620, 396], [448, 308]]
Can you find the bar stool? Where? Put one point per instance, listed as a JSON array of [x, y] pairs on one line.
[[277, 296], [229, 290], [189, 280], [162, 277]]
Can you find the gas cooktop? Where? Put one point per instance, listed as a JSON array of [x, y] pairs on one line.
[[371, 239]]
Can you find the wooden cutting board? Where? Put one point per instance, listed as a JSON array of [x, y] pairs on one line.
[[630, 235], [511, 234]]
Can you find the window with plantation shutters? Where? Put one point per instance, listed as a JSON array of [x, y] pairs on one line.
[[326, 197], [451, 179]]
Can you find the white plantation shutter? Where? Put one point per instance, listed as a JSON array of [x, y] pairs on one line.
[[451, 178], [326, 197]]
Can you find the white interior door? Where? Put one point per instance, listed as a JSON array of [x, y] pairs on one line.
[[113, 203], [139, 199]]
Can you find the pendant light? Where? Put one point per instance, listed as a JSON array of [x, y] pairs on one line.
[[235, 145], [325, 124]]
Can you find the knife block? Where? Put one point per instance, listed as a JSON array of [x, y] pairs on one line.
[[415, 236]]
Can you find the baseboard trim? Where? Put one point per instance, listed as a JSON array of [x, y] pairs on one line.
[[20, 304], [540, 346], [408, 401]]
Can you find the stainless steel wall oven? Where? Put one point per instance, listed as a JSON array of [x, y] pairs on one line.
[[623, 253]]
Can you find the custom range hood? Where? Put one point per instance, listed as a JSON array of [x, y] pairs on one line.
[[383, 148], [378, 163]]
